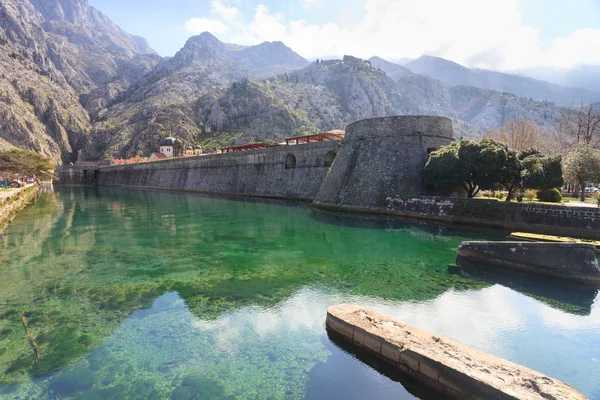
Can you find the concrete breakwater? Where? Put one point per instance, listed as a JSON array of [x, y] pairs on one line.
[[575, 262], [455, 370]]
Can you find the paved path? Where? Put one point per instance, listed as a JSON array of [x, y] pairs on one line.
[[7, 194], [574, 203]]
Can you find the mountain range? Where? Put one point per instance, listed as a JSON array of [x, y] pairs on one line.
[[73, 85]]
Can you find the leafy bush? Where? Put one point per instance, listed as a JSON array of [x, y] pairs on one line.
[[530, 194], [499, 195], [549, 195]]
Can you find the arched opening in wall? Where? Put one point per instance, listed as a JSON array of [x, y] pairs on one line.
[[290, 161], [84, 173], [329, 157]]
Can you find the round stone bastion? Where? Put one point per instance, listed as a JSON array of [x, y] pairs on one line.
[[380, 157]]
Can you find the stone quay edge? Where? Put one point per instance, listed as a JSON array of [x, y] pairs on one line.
[[455, 370]]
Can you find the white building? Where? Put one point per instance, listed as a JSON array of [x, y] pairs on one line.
[[171, 147]]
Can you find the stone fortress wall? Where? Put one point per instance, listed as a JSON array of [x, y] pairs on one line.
[[261, 172], [378, 157]]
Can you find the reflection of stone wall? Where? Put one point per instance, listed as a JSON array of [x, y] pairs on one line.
[[78, 175], [251, 173], [530, 217]]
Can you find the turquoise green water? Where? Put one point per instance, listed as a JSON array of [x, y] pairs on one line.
[[155, 295]]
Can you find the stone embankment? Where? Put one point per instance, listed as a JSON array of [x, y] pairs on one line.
[[455, 370], [575, 262], [10, 206], [582, 222]]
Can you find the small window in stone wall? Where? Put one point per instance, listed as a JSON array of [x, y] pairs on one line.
[[329, 157], [290, 161], [431, 150]]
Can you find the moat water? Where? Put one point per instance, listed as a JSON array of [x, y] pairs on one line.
[[155, 295]]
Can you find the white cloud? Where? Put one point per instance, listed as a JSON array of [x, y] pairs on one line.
[[580, 47], [266, 26], [308, 3], [225, 17], [199, 25], [477, 33], [228, 13]]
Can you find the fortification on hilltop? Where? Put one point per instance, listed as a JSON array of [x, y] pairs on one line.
[[378, 157]]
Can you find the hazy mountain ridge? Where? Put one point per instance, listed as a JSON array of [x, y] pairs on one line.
[[582, 76], [456, 74], [393, 70]]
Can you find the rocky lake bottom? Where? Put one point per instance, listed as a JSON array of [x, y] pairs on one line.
[[115, 293]]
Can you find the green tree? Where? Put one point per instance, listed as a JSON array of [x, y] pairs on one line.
[[510, 176], [530, 169], [26, 163], [474, 165], [540, 171], [582, 165], [443, 169]]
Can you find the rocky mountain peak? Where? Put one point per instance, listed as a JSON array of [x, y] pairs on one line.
[[393, 70], [142, 45], [202, 41], [72, 11], [432, 63], [268, 53], [198, 48]]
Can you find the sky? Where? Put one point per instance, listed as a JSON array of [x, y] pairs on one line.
[[495, 34]]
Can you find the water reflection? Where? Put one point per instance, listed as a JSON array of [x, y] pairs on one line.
[[165, 351], [567, 296], [162, 294]]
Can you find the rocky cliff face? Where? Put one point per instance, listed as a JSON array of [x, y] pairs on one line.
[[166, 100], [72, 82], [39, 110]]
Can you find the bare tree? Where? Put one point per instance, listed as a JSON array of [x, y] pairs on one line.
[[582, 165], [518, 134], [576, 125]]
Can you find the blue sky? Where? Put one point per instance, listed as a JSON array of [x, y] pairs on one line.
[[497, 34]]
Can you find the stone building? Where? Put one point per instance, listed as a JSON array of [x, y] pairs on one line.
[[171, 147]]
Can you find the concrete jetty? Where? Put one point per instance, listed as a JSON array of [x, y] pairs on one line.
[[455, 370], [575, 262]]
